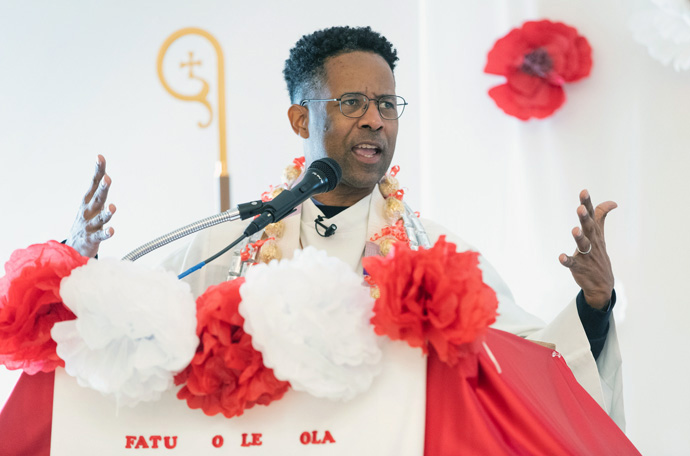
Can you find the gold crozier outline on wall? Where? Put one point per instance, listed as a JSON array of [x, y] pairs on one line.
[[201, 97]]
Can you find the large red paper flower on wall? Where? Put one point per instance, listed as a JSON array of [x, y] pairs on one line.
[[537, 59]]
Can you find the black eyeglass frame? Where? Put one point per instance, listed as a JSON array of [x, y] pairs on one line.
[[366, 107]]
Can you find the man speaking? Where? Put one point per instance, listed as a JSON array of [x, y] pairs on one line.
[[344, 106]]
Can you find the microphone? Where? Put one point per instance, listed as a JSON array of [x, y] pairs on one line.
[[322, 176], [328, 230]]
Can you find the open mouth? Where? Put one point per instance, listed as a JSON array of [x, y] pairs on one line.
[[367, 151]]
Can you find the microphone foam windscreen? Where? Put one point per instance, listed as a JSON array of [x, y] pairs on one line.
[[330, 169]]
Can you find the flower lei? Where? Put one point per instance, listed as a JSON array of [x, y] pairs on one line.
[[393, 211], [266, 249], [431, 297]]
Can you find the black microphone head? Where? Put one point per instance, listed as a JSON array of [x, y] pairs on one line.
[[330, 170]]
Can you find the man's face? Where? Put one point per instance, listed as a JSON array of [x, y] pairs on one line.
[[362, 146]]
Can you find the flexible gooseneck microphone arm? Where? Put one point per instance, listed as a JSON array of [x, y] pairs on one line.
[[322, 176], [242, 211]]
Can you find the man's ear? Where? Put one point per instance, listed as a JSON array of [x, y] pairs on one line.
[[299, 120]]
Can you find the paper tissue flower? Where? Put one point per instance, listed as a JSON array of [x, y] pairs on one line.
[[537, 59], [135, 329], [30, 304], [665, 31], [312, 324], [227, 374], [432, 297]]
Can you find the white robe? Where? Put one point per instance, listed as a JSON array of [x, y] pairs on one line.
[[601, 378]]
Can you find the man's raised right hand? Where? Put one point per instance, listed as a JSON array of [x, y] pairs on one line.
[[88, 230]]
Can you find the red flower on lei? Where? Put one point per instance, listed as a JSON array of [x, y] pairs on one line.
[[30, 304], [227, 374], [433, 296], [537, 59]]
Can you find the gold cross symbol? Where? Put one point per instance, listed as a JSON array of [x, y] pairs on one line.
[[190, 64]]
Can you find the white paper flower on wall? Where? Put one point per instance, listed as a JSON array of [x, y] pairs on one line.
[[665, 30]]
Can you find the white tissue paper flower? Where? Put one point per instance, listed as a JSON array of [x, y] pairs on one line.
[[135, 329], [310, 319], [665, 30]]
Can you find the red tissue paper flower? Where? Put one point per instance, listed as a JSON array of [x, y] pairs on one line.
[[537, 59], [433, 296], [30, 304], [227, 374]]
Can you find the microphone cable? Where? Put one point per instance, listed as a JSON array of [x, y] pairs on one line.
[[322, 176], [211, 258]]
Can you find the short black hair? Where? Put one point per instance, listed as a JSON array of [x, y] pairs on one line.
[[306, 62]]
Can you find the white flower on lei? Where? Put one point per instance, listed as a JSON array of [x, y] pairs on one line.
[[665, 30], [310, 319], [135, 329]]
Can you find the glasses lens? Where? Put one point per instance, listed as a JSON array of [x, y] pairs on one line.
[[353, 104], [391, 107]]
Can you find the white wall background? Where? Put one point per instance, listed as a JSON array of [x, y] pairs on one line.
[[79, 78]]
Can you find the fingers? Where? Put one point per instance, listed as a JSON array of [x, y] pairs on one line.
[[566, 260], [101, 235], [583, 243], [99, 198], [598, 214], [586, 221], [97, 176], [102, 193], [103, 217], [586, 201], [590, 264], [603, 210], [88, 229]]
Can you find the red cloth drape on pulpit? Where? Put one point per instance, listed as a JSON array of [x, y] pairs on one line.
[[534, 406], [27, 418]]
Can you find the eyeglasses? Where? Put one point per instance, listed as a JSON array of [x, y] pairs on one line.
[[355, 105]]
